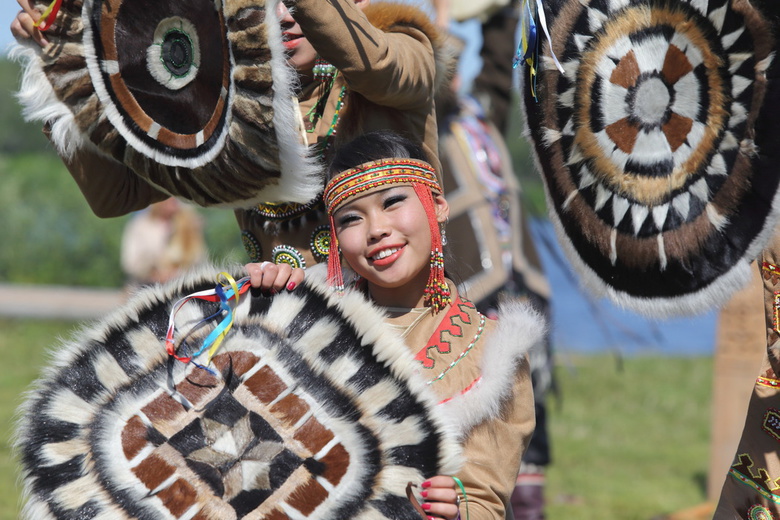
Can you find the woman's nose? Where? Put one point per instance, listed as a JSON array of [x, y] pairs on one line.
[[283, 13], [378, 228]]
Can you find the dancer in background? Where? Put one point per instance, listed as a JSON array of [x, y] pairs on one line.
[[161, 242], [494, 253], [360, 67]]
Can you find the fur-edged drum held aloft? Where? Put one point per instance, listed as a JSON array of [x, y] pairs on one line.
[[196, 97], [309, 411], [658, 146]]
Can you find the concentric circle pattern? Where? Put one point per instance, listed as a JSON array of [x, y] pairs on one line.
[[647, 144], [302, 414], [195, 97]]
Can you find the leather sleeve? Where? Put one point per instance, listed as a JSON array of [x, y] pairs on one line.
[[395, 68], [110, 188], [493, 451]]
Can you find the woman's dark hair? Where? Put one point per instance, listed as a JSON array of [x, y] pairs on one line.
[[372, 146]]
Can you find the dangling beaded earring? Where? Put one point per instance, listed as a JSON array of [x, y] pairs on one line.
[[323, 71], [443, 231], [437, 292]]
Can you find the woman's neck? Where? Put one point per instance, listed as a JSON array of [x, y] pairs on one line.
[[409, 295]]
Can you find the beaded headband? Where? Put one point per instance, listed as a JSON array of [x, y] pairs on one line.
[[362, 179], [379, 175]]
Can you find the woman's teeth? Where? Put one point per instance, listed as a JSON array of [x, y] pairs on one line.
[[385, 253]]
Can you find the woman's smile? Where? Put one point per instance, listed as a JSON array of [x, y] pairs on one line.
[[386, 255]]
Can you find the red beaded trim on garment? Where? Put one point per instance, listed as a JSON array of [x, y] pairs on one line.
[[770, 271]]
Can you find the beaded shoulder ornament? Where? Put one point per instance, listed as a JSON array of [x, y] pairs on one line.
[[378, 175]]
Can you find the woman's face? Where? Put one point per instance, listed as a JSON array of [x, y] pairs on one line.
[[300, 53], [385, 238]]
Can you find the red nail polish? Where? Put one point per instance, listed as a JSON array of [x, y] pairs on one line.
[[424, 493], [426, 506], [291, 286], [426, 484]]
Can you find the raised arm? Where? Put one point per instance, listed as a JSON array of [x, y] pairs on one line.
[[389, 60]]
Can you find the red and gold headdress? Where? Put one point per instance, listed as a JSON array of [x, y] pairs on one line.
[[379, 175]]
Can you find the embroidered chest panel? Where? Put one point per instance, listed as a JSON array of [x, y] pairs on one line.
[[458, 333]]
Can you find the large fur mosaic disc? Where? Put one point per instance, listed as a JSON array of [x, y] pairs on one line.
[[313, 413], [659, 144], [195, 97]]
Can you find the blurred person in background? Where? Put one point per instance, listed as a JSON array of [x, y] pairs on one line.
[[161, 242]]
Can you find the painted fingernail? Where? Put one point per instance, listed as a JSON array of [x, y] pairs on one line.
[[291, 286], [426, 484], [426, 506], [424, 493]]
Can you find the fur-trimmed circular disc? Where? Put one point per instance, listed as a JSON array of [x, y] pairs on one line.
[[195, 97], [658, 145], [312, 413]]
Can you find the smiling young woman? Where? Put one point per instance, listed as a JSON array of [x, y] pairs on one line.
[[386, 210]]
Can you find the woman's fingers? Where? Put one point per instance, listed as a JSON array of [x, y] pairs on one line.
[[23, 26], [441, 498], [273, 278]]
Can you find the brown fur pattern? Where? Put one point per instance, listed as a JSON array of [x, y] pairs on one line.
[[220, 132], [311, 410]]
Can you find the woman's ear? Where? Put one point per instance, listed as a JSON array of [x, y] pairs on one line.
[[441, 206]]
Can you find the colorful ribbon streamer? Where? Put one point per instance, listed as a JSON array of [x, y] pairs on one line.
[[532, 17], [47, 18], [465, 496], [222, 293]]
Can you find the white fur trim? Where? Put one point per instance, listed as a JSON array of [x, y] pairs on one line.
[[520, 328], [39, 101], [296, 159]]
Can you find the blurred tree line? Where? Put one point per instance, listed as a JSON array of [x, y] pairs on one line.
[[49, 233], [51, 236]]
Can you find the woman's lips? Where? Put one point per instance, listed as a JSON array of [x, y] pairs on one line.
[[381, 262], [290, 41]]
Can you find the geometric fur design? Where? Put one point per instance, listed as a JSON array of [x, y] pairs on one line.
[[658, 145], [313, 411], [196, 97]]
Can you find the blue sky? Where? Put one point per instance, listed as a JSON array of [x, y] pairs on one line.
[[8, 10]]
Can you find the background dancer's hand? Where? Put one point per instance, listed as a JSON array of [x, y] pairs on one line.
[[22, 26], [441, 497], [273, 278]]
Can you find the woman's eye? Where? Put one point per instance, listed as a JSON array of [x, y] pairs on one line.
[[394, 199], [347, 220]]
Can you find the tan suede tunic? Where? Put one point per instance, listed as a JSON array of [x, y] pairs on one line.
[[494, 447]]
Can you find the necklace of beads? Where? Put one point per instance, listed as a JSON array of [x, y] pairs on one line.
[[323, 145]]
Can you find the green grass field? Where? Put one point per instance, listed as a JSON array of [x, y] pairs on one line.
[[630, 440]]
